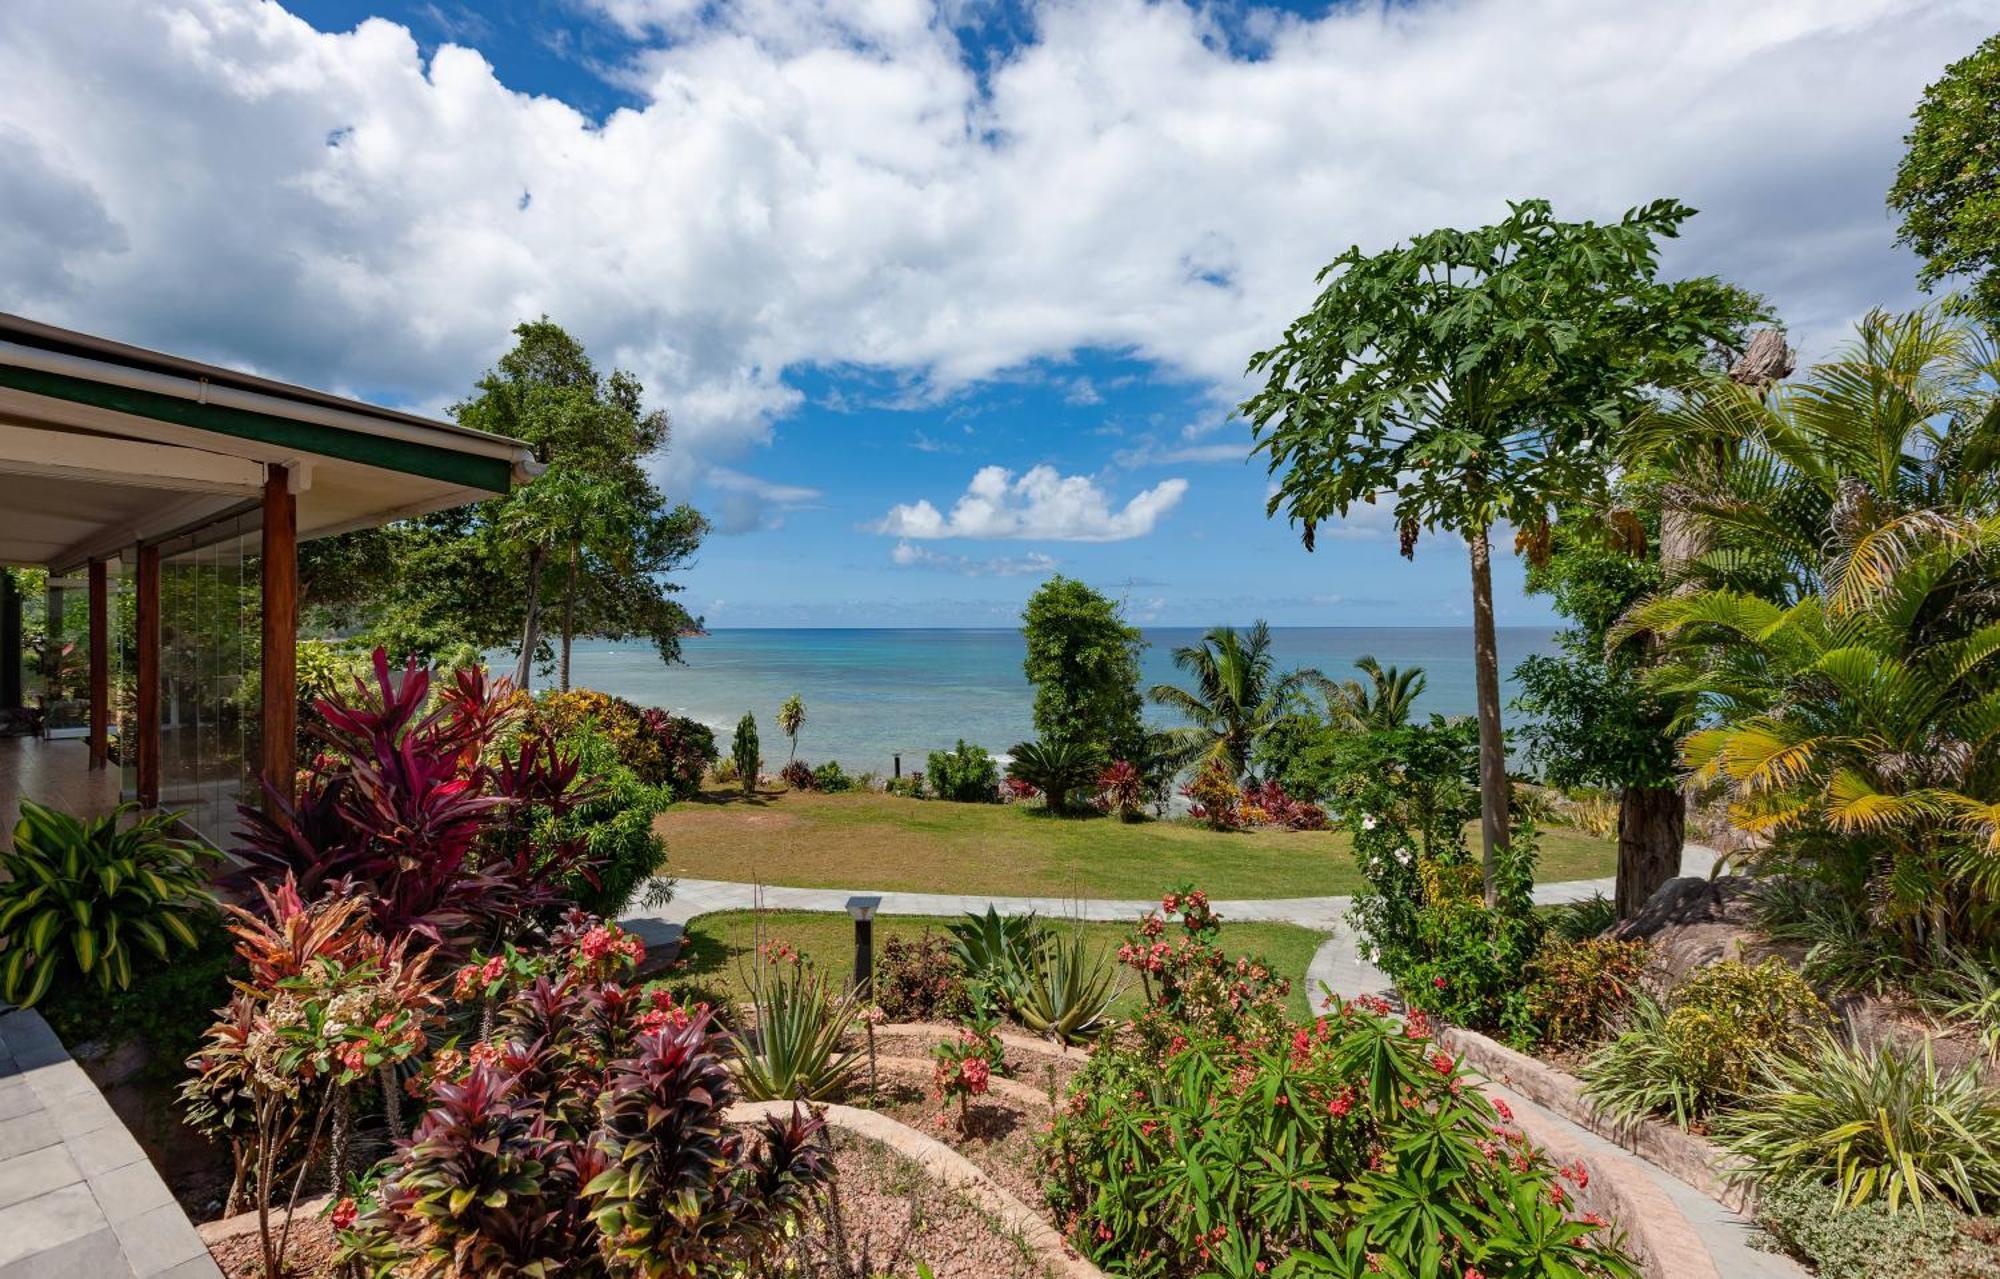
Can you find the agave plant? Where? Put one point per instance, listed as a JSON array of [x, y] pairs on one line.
[[989, 949], [1056, 769], [1064, 989], [795, 1051], [87, 894]]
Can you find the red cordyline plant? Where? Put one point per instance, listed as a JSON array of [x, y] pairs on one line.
[[1279, 808], [1121, 790], [326, 1005], [587, 1141], [405, 805]]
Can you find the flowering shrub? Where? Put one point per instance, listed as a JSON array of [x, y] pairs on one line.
[[1014, 790], [1191, 982], [1214, 797], [917, 980], [1349, 1146], [963, 1068]]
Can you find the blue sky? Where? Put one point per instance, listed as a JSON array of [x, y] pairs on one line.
[[943, 295]]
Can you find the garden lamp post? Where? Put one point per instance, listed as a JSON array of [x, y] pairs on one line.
[[862, 910]]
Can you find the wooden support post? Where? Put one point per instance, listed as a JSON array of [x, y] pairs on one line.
[[100, 665], [146, 615], [281, 632]]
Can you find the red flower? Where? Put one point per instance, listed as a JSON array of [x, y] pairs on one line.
[[1502, 1109], [344, 1214]]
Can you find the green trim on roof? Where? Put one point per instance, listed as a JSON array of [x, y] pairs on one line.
[[470, 470]]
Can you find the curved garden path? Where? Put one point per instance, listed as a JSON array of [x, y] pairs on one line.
[[1337, 966]]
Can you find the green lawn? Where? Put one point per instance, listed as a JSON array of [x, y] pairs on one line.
[[719, 947], [874, 840]]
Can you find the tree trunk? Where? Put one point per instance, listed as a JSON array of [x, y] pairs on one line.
[[531, 627], [1493, 804], [569, 615], [1652, 822]]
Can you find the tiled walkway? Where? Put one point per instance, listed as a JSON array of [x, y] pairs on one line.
[[78, 1199]]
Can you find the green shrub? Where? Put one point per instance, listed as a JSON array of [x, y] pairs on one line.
[[1703, 1050], [615, 825], [85, 899], [167, 1006], [907, 787], [966, 775], [743, 749], [1580, 921], [990, 948], [917, 980], [1577, 990], [829, 778], [1350, 1146], [1884, 1123], [1870, 1242]]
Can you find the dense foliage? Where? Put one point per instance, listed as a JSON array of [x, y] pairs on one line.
[[1216, 1143], [743, 751], [661, 749], [1948, 184], [1238, 695], [1058, 770], [966, 774], [1083, 660], [83, 899]]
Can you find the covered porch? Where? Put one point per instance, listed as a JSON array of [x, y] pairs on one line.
[[164, 501]]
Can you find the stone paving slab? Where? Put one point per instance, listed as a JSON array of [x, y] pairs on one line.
[[77, 1194]]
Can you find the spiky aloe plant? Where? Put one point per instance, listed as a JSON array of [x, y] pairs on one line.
[[86, 894], [1063, 989], [795, 1051]]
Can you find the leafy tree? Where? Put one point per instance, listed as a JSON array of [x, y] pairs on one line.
[[1948, 184], [791, 718], [1474, 377], [1084, 663], [591, 539], [1238, 696], [744, 750]]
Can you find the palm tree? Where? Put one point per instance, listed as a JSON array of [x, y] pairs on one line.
[[1384, 702], [791, 718], [1236, 699], [1835, 622]]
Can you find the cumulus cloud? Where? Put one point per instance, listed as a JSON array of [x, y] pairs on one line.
[[842, 185], [910, 555], [1041, 503]]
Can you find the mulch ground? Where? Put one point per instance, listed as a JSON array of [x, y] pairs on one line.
[[309, 1256]]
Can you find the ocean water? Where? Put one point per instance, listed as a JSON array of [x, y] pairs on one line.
[[873, 694]]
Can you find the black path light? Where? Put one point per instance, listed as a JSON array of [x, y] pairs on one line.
[[863, 909]]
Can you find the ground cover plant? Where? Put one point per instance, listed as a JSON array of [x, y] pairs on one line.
[[888, 842]]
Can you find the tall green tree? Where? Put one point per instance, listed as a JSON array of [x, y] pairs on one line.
[[1948, 184], [1384, 702], [590, 542], [792, 718], [1083, 660], [1239, 695], [1474, 378]]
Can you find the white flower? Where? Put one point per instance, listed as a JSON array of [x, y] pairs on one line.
[[1368, 823], [1403, 856]]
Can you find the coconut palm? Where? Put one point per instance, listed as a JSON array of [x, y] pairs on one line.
[[791, 718], [1385, 701], [1238, 695]]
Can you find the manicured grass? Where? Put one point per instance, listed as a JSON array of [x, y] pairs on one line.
[[873, 840], [721, 947]]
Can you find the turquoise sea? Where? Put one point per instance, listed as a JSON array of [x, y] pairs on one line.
[[873, 694]]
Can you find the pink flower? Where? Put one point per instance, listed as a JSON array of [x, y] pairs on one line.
[[1503, 1110], [1437, 983]]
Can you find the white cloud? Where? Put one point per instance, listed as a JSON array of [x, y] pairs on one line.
[[833, 185], [910, 555], [749, 503], [1042, 503]]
